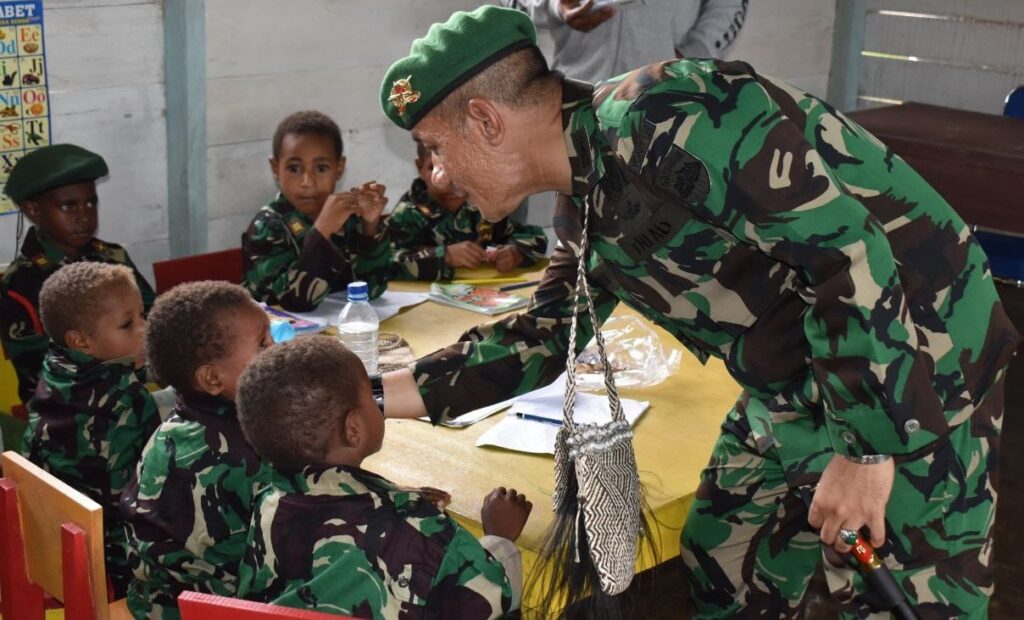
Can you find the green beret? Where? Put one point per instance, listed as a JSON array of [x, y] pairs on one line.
[[451, 54], [51, 167]]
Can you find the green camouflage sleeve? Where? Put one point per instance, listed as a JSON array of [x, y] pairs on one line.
[[370, 256], [416, 256], [468, 574], [514, 355], [530, 240], [770, 188]]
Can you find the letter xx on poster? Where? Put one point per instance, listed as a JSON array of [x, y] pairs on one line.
[[24, 95]]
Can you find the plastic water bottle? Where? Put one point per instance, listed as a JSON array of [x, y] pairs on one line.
[[358, 325]]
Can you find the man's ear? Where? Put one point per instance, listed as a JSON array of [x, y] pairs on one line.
[[31, 210], [208, 379], [78, 340], [483, 114], [273, 168]]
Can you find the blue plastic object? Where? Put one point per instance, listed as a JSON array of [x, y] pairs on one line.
[[281, 331], [1014, 107]]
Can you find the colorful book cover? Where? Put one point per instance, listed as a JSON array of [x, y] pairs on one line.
[[477, 299], [299, 324], [24, 89]]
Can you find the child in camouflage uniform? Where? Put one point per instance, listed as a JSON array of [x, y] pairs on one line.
[[55, 187], [310, 241], [330, 536], [435, 230], [91, 414], [188, 509]]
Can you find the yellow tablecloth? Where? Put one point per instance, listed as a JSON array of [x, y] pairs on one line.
[[673, 440]]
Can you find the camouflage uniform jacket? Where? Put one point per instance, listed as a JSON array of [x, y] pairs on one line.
[[189, 507], [87, 425], [23, 337], [344, 540], [420, 229], [759, 225], [289, 263]]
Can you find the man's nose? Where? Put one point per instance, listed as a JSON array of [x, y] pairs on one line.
[[439, 177]]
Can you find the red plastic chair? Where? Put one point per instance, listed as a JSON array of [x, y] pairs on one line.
[[199, 606], [34, 560], [223, 265]]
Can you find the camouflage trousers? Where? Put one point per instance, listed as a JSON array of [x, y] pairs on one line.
[[749, 551]]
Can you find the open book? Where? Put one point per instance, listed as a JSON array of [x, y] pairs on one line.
[[478, 299]]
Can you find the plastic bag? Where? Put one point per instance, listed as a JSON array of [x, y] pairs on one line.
[[636, 354]]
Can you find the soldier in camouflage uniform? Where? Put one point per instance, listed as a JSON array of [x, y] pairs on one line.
[[330, 536], [91, 414], [308, 241], [428, 226], [189, 506], [55, 188], [758, 225]]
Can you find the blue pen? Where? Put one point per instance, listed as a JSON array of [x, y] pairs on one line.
[[537, 418]]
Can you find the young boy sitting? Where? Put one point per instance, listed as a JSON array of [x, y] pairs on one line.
[[55, 187], [331, 536], [91, 415], [188, 510], [435, 230], [310, 241]]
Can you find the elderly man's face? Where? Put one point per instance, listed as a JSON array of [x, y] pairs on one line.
[[466, 163]]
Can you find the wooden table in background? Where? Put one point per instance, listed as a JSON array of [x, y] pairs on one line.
[[673, 438]]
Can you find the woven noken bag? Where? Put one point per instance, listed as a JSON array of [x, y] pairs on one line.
[[597, 461]]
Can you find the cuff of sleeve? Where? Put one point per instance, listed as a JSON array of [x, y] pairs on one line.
[[366, 244], [851, 443], [506, 552]]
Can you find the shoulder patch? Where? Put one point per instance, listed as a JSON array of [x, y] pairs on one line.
[[683, 175]]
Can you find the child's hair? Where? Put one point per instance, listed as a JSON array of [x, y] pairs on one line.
[[73, 297], [308, 122], [294, 394], [187, 329]]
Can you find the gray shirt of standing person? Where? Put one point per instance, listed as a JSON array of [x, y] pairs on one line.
[[596, 43]]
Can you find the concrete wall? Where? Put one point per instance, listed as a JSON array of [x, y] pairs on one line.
[[105, 63]]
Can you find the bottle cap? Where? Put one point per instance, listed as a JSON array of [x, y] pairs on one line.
[[358, 291]]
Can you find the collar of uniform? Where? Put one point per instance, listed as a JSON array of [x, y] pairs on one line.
[[43, 253], [296, 220], [581, 134], [66, 362], [193, 405], [420, 198], [339, 479]]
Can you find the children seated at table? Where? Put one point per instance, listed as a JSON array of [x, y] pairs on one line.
[[331, 536], [91, 415], [55, 188], [435, 230], [310, 241], [188, 510]]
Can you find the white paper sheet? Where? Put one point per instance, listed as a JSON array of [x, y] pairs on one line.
[[515, 433], [386, 306]]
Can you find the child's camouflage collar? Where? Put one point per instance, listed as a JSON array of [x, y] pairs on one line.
[[193, 405], [296, 221], [41, 252]]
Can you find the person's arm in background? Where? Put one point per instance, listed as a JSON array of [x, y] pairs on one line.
[[717, 26], [554, 14]]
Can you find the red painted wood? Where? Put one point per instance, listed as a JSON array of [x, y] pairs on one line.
[[223, 265], [78, 603], [199, 606], [19, 597]]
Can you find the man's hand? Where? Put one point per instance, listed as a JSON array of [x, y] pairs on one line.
[[464, 254], [505, 513], [507, 258], [583, 17], [851, 496], [371, 200], [335, 212]]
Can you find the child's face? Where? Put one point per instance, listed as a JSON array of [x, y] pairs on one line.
[[67, 215], [119, 332], [447, 199], [249, 334], [307, 170]]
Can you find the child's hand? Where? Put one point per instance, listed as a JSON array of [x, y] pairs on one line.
[[507, 258], [437, 497], [505, 513], [371, 205], [464, 254], [336, 211]]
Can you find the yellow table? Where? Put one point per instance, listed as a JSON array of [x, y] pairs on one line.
[[673, 440]]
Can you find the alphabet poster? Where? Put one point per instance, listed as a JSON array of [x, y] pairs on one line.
[[24, 95]]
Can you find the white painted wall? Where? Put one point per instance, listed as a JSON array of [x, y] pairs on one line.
[[105, 65], [266, 61]]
